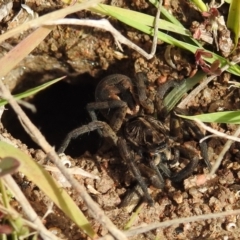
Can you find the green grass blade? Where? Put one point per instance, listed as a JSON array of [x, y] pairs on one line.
[[233, 21], [37, 174], [218, 117], [200, 5], [32, 91], [177, 93]]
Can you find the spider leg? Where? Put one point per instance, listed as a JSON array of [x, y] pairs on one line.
[[165, 169], [194, 130], [95, 125], [132, 198], [193, 162], [203, 145], [159, 175], [164, 161], [151, 175], [118, 115], [156, 163], [146, 103], [127, 156], [204, 152]]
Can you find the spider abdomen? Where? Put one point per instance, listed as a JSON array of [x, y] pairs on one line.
[[147, 133]]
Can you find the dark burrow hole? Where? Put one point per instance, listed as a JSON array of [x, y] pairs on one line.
[[60, 109]]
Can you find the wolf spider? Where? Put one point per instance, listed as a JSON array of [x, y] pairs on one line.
[[127, 106]]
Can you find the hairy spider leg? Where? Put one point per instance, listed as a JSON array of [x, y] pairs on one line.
[[132, 198], [127, 156], [113, 92], [106, 130], [151, 176], [203, 145], [156, 162], [187, 171], [146, 103], [118, 116], [204, 152], [159, 175], [194, 130], [162, 164]]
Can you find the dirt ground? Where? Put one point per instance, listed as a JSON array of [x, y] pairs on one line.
[[87, 55]]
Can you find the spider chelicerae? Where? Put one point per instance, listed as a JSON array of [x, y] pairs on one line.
[[129, 107]]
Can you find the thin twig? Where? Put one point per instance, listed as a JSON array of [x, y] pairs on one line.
[[217, 133], [27, 105], [155, 33], [168, 223], [95, 210], [106, 25]]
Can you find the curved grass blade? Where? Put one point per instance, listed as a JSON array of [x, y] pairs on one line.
[[200, 5], [233, 21], [174, 96]]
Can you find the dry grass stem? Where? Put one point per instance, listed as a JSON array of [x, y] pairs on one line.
[[49, 210], [155, 33], [223, 152], [215, 132], [178, 221]]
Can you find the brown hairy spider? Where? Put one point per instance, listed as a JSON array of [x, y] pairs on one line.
[[133, 129]]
